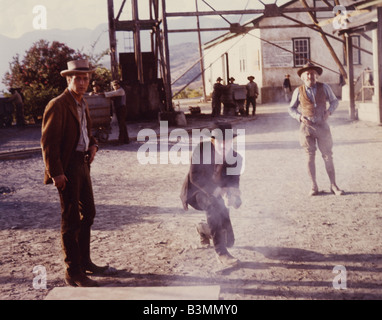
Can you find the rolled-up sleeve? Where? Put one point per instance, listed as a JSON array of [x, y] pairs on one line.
[[293, 106], [331, 97]]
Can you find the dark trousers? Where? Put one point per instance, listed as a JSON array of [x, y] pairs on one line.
[[216, 107], [218, 220], [121, 112], [77, 214], [249, 101]]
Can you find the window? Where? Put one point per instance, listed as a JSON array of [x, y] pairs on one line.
[[243, 58], [356, 52], [301, 49]]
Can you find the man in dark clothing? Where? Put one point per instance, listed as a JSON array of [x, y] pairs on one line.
[[208, 180], [252, 94], [68, 149], [287, 87], [216, 97]]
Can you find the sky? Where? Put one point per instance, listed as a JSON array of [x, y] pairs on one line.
[[18, 18]]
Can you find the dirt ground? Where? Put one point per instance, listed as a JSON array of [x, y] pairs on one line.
[[288, 243]]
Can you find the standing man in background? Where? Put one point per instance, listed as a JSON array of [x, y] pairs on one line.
[[17, 101], [119, 99], [252, 93], [216, 97], [314, 129]]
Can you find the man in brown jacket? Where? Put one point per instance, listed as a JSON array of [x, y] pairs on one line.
[[311, 97], [68, 150]]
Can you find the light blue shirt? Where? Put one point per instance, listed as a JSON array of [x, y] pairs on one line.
[[311, 93], [83, 141]]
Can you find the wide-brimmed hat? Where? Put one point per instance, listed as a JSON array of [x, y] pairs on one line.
[[251, 77], [219, 79], [77, 66], [309, 66]]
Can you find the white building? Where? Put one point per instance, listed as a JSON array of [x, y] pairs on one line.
[[274, 45]]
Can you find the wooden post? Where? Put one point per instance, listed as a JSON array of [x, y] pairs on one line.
[[137, 42], [378, 83], [200, 53], [112, 40], [167, 75], [350, 72]]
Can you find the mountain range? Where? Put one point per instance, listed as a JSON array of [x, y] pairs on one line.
[[184, 50]]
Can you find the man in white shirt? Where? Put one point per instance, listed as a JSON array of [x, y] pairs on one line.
[[314, 130], [118, 97]]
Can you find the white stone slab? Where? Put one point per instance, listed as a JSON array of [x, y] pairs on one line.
[[368, 111], [135, 293]]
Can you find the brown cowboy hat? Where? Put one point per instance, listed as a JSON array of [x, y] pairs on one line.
[[77, 66], [251, 77], [309, 66], [219, 79]]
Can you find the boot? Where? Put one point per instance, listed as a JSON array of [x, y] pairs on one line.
[[227, 259], [204, 232], [80, 280], [87, 265]]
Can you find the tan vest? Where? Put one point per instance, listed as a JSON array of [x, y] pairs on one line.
[[307, 106]]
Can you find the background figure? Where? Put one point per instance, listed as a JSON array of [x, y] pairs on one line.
[[17, 101], [119, 100], [252, 93], [206, 184], [287, 88], [68, 149], [96, 89], [314, 129], [216, 97]]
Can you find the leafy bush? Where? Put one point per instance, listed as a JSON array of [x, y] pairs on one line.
[[38, 74]]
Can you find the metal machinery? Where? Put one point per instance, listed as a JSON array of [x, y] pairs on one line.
[[147, 93]]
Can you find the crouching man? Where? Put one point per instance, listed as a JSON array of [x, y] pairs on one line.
[[207, 182]]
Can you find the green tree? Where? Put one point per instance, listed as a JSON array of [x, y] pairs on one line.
[[38, 74]]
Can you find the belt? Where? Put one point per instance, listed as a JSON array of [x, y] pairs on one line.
[[315, 120], [82, 156]]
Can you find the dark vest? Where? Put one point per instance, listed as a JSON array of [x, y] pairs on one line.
[[307, 106]]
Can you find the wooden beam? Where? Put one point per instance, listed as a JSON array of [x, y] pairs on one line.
[[317, 29], [112, 40], [249, 11], [326, 41], [130, 25], [228, 28], [378, 88], [166, 56], [200, 53], [350, 70]]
